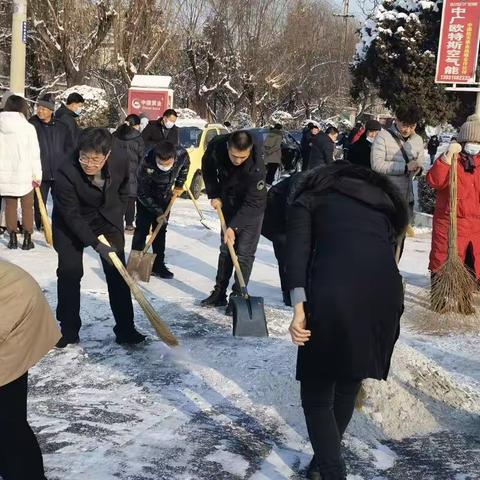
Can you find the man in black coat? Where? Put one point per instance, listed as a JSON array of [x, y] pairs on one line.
[[432, 147], [234, 173], [90, 199], [162, 130], [359, 153], [68, 114], [55, 147], [309, 132], [164, 168], [323, 148]]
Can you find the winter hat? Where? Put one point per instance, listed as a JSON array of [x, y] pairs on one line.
[[47, 101], [373, 126], [470, 131]]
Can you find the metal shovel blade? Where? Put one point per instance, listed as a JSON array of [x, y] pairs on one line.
[[249, 317], [140, 265]]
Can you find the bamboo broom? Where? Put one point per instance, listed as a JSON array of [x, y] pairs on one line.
[[454, 285], [162, 329], [47, 228]]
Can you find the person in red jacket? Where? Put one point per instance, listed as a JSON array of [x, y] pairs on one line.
[[468, 213]]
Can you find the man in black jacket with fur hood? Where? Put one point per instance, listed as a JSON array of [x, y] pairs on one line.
[[90, 199], [164, 168], [234, 173]]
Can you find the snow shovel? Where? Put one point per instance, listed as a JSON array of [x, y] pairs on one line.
[[47, 227], [203, 220], [140, 263], [248, 312], [162, 329]]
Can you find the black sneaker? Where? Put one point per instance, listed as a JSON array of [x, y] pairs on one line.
[[216, 299], [27, 242], [13, 243], [163, 272], [64, 341], [131, 338]]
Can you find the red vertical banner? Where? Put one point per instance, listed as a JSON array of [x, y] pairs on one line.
[[459, 38]]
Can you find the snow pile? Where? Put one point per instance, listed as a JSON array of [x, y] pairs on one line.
[[187, 114], [282, 117], [96, 107]]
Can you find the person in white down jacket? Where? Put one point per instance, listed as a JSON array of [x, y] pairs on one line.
[[20, 168]]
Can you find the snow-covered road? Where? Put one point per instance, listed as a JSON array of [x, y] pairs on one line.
[[220, 407]]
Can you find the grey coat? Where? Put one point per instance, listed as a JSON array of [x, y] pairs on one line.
[[387, 158]]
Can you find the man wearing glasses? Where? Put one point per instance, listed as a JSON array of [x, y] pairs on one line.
[[234, 174], [90, 200]]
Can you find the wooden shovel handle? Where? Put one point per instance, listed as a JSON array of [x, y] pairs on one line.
[[160, 224], [47, 227], [233, 254], [192, 198]]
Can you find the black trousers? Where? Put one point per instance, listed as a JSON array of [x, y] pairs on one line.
[[46, 187], [271, 171], [328, 406], [146, 220], [69, 275], [246, 243], [130, 212], [280, 249], [20, 455]]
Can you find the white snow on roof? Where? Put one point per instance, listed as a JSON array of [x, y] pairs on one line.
[[151, 81]]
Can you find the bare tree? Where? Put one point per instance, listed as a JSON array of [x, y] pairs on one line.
[[71, 32]]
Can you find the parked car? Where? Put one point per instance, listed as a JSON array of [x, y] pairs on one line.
[[195, 135], [291, 151]]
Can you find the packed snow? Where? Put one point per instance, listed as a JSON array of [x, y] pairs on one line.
[[220, 407]]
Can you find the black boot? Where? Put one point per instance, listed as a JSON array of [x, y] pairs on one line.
[[27, 242], [13, 243], [130, 338], [64, 341], [217, 298], [163, 272]]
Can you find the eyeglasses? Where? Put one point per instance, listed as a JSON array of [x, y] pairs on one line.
[[92, 161]]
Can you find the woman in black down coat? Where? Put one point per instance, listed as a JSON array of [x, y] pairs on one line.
[[342, 230], [128, 142]]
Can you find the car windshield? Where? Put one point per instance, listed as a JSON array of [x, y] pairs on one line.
[[190, 136]]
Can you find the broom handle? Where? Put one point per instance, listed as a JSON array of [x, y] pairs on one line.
[[233, 254], [190, 194], [452, 234], [118, 264], [44, 215], [160, 224]]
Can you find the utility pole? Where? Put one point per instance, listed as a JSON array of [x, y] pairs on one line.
[[19, 43], [345, 15]]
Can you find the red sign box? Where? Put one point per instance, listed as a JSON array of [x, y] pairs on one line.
[[459, 38], [150, 102]]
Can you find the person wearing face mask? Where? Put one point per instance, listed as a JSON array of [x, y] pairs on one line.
[[128, 141], [165, 168], [233, 169], [468, 192], [162, 130], [91, 194], [360, 151], [68, 114], [143, 122]]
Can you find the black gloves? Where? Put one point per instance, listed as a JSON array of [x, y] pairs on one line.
[[104, 250]]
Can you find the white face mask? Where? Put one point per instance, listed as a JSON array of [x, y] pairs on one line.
[[79, 111], [472, 148], [164, 168], [169, 125], [370, 139], [143, 123]]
